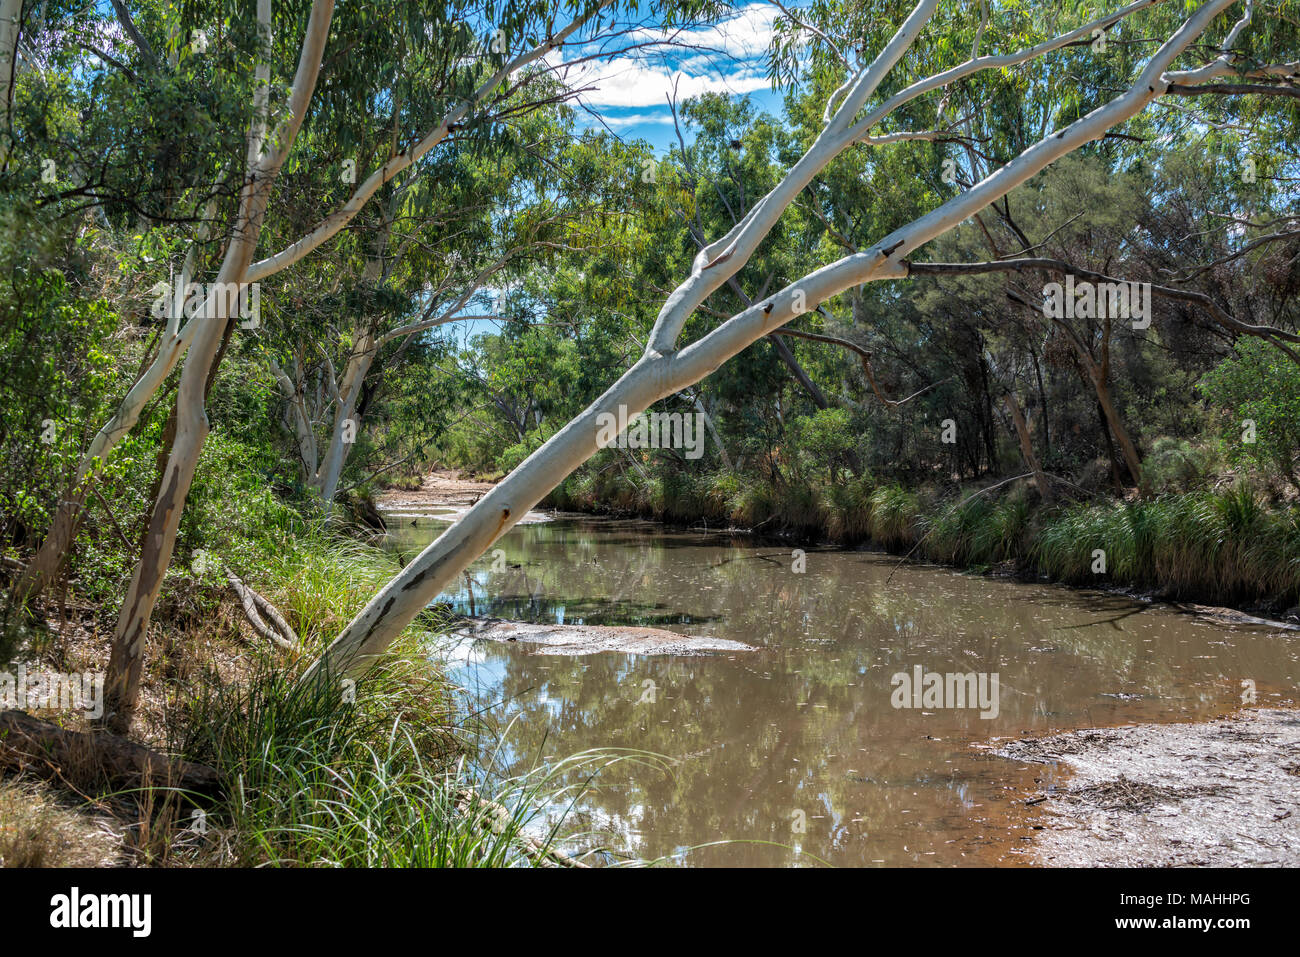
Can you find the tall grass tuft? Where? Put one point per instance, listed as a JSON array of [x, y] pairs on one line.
[[384, 781], [894, 516], [848, 508], [1224, 548]]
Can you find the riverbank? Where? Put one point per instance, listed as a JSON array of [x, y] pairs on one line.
[[1221, 793], [387, 774], [1216, 548]]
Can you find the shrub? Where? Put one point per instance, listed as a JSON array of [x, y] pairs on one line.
[[1257, 389]]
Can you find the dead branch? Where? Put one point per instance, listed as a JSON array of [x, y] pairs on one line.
[[255, 606], [45, 749]]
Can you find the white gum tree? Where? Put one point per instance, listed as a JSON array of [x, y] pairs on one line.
[[267, 152], [462, 276], [666, 367], [199, 342], [181, 332]]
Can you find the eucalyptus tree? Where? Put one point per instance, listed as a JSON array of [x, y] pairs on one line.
[[488, 69], [1199, 45], [450, 245], [579, 309], [732, 162]]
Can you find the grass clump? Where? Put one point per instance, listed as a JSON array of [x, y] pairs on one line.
[[37, 831], [385, 778]]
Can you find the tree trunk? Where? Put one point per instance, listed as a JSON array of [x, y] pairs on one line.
[[1027, 447], [1042, 402], [98, 761], [1126, 446], [263, 163], [67, 518], [713, 430], [336, 453], [122, 684], [665, 368], [10, 12], [1106, 405], [782, 350], [292, 387]]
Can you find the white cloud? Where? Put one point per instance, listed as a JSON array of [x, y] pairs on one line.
[[726, 58], [638, 119], [635, 85]]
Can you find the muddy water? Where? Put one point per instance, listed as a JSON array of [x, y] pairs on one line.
[[795, 752]]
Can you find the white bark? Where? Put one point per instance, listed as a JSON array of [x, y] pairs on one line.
[[331, 467], [663, 369], [722, 259], [67, 516], [10, 11], [292, 387], [325, 476], [330, 226], [265, 160], [178, 340]]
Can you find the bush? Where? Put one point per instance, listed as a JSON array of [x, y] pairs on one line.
[[1222, 548], [385, 781], [894, 515], [1258, 391], [1175, 465]]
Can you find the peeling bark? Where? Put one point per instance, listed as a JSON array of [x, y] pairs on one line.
[[122, 682]]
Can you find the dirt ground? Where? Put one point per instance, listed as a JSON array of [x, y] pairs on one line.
[[441, 487], [1218, 793]]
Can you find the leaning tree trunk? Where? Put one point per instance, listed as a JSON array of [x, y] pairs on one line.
[[122, 682], [126, 661], [1126, 446], [52, 551], [666, 368], [1027, 447], [1098, 376], [44, 566]]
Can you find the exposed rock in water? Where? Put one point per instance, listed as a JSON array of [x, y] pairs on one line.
[[1219, 793], [591, 639]]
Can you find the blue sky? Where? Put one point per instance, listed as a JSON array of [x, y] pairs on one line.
[[630, 91]]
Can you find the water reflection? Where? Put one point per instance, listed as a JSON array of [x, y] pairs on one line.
[[802, 730]]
